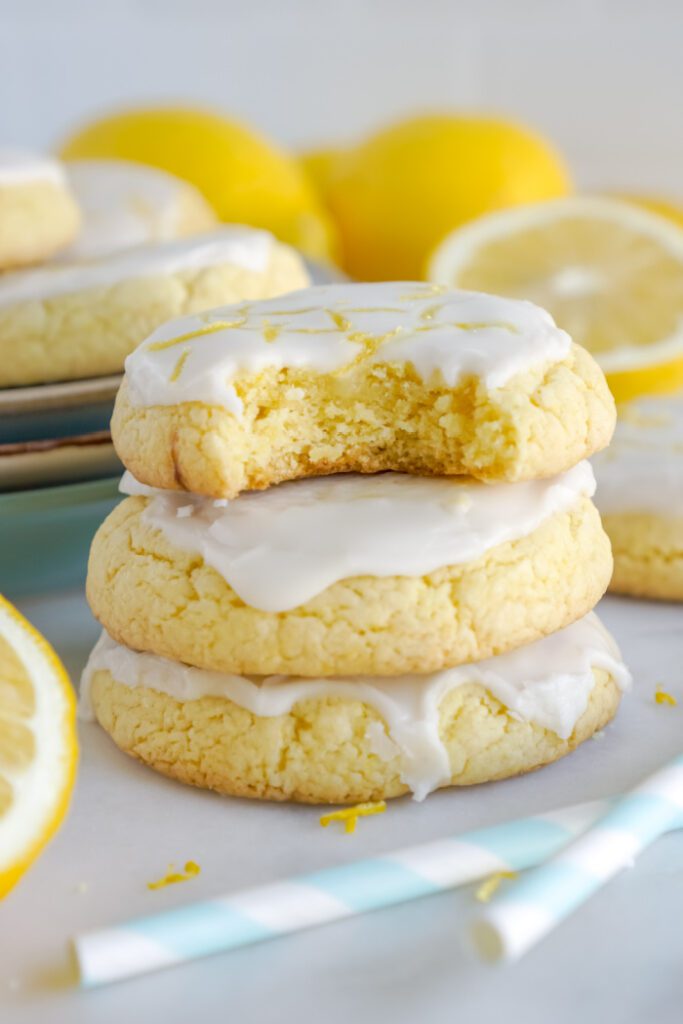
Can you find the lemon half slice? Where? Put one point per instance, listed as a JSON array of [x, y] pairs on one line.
[[610, 273], [38, 750]]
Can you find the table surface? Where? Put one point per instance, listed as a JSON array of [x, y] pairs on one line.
[[617, 959]]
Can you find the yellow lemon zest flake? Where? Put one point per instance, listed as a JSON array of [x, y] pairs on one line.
[[218, 325], [368, 345], [271, 331], [662, 697], [190, 870], [430, 312], [178, 368], [350, 815], [294, 312], [475, 326], [490, 885], [338, 320]]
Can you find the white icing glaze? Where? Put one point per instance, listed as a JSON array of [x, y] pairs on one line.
[[642, 470], [454, 334], [280, 547], [547, 683], [123, 204], [244, 247], [19, 167]]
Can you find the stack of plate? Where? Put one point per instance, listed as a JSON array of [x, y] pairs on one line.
[[58, 478]]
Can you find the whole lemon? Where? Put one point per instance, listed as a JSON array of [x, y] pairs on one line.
[[245, 177], [398, 193], [320, 166]]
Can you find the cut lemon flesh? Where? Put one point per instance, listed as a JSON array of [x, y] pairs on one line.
[[38, 749], [610, 273]]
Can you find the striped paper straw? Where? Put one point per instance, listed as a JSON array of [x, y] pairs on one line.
[[532, 907], [197, 930]]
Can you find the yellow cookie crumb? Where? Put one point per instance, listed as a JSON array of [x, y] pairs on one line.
[[172, 877], [662, 697], [350, 815], [490, 885]]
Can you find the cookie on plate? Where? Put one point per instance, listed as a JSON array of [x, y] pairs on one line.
[[38, 213], [66, 321], [125, 204], [356, 739], [346, 575], [359, 377]]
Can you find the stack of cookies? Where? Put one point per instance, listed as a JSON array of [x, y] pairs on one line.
[[359, 555]]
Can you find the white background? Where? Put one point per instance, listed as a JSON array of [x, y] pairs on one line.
[[604, 78]]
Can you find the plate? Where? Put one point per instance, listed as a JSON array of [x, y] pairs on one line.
[[57, 410], [64, 460], [46, 534]]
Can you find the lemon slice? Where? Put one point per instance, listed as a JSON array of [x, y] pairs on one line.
[[610, 273], [664, 207], [38, 750]]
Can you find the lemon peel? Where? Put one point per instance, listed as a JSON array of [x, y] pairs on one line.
[[490, 885], [172, 877], [350, 815]]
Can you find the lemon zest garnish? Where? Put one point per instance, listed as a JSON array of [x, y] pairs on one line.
[[190, 870], [338, 320], [271, 331], [375, 309], [430, 312], [178, 368], [480, 326], [313, 330], [662, 697], [294, 312], [490, 885], [218, 325], [350, 815]]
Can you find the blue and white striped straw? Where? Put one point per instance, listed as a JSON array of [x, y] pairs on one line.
[[197, 930], [537, 903]]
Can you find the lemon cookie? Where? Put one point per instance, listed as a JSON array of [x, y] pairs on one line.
[[350, 574], [81, 319], [349, 740], [38, 213], [640, 494], [125, 204], [365, 378]]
